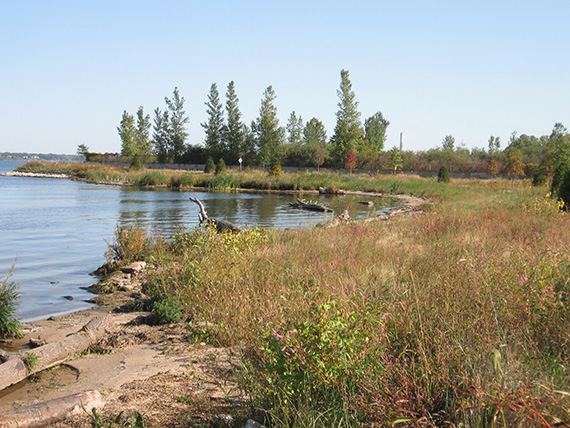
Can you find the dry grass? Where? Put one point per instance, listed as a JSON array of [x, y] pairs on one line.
[[457, 317]]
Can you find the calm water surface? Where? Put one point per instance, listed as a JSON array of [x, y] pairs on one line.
[[55, 231]]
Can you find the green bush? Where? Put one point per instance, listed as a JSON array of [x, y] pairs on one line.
[[558, 178], [210, 166], [136, 162], [9, 325], [443, 175], [167, 310], [276, 169], [539, 177], [221, 167]]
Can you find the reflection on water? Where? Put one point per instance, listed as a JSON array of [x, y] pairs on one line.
[[56, 230]]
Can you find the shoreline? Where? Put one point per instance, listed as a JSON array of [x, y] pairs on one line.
[[35, 174]]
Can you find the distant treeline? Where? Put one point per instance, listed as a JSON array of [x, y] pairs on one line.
[[14, 156]]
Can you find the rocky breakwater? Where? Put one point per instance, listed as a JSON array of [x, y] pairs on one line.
[[35, 174]]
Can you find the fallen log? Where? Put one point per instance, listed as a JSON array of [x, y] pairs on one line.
[[16, 367], [219, 224], [311, 206], [52, 411]]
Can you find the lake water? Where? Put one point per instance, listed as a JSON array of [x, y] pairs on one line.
[[55, 231]]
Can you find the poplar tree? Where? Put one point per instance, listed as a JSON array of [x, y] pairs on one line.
[[348, 132], [214, 126], [127, 132], [176, 126], [315, 142], [268, 134], [161, 135], [374, 137], [142, 135], [234, 130]]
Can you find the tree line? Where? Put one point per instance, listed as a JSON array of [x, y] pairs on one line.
[[355, 144], [263, 142]]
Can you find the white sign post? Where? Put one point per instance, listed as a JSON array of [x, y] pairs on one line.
[[240, 160]]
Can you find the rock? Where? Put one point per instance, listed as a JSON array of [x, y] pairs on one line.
[[36, 342], [252, 424], [222, 421], [68, 297], [134, 267]]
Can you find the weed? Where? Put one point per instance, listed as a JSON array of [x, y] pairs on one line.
[[9, 325], [135, 420], [31, 361]]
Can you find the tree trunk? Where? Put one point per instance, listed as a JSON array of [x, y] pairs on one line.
[[18, 366], [48, 412]]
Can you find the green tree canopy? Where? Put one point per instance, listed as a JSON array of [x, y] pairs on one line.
[[315, 142], [176, 126], [214, 127], [374, 137], [348, 132], [127, 132], [234, 130], [268, 134], [142, 135]]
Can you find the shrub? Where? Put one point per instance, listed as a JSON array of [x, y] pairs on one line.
[[9, 325], [559, 174], [210, 167], [136, 162], [564, 191], [221, 167], [443, 175], [167, 310], [539, 177], [276, 169]]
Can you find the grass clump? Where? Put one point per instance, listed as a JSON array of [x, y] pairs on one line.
[[9, 324]]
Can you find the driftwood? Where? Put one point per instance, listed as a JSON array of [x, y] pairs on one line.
[[311, 206], [16, 367], [219, 224], [48, 412]]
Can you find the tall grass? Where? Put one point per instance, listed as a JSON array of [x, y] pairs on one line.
[[9, 325], [458, 317]]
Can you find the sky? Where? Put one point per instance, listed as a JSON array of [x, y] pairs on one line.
[[470, 69]]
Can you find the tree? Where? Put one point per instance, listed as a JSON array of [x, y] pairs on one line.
[[374, 137], [350, 160], [234, 131], [127, 132], [161, 135], [210, 166], [396, 160], [294, 148], [143, 143], [176, 126], [448, 143], [221, 167], [348, 131], [315, 142], [493, 167], [494, 145], [513, 163], [268, 134], [214, 127], [83, 150]]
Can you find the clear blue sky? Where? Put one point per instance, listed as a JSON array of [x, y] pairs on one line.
[[466, 68]]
